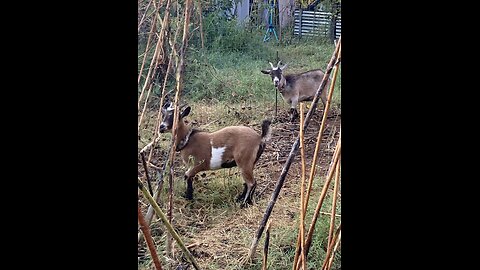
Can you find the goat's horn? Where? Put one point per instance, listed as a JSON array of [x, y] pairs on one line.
[[279, 63], [271, 65]]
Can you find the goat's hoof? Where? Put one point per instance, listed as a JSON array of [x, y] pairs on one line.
[[188, 196], [246, 204]]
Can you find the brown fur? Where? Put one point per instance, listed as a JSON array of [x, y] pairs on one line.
[[243, 147]]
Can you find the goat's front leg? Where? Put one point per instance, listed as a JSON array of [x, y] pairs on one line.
[[189, 178], [293, 109], [189, 192]]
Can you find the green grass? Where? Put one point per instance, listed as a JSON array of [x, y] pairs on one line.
[[233, 77]]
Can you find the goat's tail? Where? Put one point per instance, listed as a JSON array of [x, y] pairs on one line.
[[266, 130], [266, 135]]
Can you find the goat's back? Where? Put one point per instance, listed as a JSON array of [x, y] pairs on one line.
[[305, 84], [238, 136]]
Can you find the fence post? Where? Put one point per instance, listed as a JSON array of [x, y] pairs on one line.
[[300, 22], [333, 25]]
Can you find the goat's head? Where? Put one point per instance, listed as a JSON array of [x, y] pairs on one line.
[[168, 113], [276, 73]]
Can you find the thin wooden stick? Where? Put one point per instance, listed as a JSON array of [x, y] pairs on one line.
[[321, 130], [329, 250], [145, 167], [265, 246], [144, 15], [314, 218], [169, 248], [288, 163], [311, 229], [155, 140], [162, 96], [334, 203], [156, 196], [329, 214], [317, 149], [201, 23], [156, 60], [330, 261], [302, 191], [167, 224], [147, 48], [148, 237], [176, 115]]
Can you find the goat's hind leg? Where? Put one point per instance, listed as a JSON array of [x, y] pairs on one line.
[[249, 187], [241, 197]]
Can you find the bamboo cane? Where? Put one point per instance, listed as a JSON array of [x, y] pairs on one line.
[[148, 237], [145, 54], [167, 224], [176, 115], [334, 203], [329, 250], [330, 261], [288, 162], [302, 211], [311, 229], [317, 149], [162, 96], [156, 60], [144, 15], [155, 140], [321, 129]]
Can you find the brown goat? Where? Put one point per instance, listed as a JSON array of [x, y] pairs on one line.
[[228, 147], [297, 87]]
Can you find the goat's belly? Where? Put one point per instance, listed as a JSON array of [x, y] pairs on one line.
[[305, 98]]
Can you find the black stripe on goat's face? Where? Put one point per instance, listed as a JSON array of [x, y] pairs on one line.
[[167, 121], [168, 114]]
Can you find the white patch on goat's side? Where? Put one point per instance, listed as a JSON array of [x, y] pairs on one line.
[[216, 160]]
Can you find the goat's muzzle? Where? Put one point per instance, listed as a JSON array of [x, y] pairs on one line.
[[162, 128]]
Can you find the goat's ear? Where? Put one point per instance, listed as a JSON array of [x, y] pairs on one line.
[[284, 67], [166, 104], [185, 112], [265, 71]]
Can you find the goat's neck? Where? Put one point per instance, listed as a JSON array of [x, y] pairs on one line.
[[182, 132], [282, 85]]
